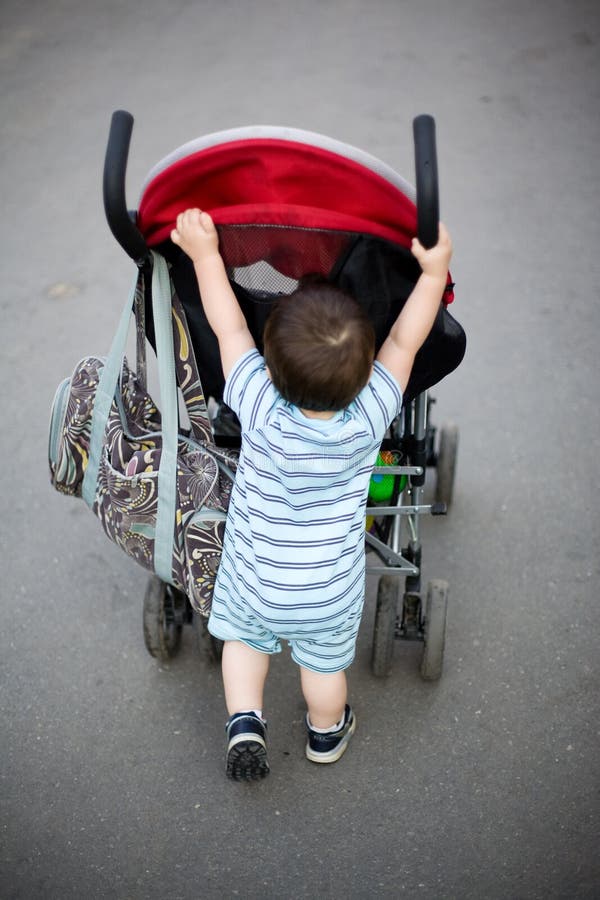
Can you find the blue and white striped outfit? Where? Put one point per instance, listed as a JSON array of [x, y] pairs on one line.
[[293, 563]]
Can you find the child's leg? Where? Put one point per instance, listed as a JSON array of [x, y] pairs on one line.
[[325, 694], [244, 674], [330, 721]]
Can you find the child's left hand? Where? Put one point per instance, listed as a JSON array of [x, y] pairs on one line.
[[196, 235], [436, 260]]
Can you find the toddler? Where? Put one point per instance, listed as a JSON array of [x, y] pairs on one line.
[[313, 414]]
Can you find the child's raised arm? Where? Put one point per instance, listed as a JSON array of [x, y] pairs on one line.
[[414, 323], [197, 236]]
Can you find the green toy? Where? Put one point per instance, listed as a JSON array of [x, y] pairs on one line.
[[381, 487]]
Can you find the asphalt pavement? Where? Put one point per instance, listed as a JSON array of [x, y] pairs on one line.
[[485, 784]]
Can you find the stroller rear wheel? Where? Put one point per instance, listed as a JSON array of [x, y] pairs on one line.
[[386, 614], [434, 628], [164, 612], [446, 464], [207, 643]]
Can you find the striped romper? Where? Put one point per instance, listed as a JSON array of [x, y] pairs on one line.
[[293, 563]]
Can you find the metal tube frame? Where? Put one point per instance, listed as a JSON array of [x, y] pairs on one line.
[[415, 426]]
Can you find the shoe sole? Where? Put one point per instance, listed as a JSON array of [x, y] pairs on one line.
[[247, 760], [332, 755]]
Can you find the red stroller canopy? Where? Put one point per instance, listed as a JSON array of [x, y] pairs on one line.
[[289, 203], [277, 178]]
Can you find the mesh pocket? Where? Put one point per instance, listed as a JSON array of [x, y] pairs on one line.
[[271, 259]]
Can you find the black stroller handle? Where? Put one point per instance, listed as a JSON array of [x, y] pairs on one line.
[[115, 206], [428, 206], [132, 241]]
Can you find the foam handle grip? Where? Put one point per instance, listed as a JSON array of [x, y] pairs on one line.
[[428, 208], [115, 205]]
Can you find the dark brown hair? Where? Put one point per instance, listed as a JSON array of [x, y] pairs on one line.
[[319, 347]]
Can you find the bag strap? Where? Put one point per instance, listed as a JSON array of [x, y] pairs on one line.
[[186, 367], [167, 470], [141, 368], [103, 400], [105, 393]]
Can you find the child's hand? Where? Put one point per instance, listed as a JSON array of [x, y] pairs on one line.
[[196, 235], [436, 260]]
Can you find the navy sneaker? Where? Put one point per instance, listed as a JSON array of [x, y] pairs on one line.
[[327, 748], [247, 747]]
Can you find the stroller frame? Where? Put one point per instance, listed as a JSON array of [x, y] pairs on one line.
[[412, 436], [411, 617]]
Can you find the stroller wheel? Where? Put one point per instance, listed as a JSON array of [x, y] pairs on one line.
[[386, 612], [212, 646], [164, 612], [446, 464], [434, 628]]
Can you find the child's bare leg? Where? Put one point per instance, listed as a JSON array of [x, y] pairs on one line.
[[244, 674], [330, 721], [325, 694]]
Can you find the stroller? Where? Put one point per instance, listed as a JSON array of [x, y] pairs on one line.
[[288, 203]]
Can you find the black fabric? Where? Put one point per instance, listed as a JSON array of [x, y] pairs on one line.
[[255, 307], [381, 276], [378, 274]]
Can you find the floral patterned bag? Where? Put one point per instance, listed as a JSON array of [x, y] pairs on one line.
[[110, 445]]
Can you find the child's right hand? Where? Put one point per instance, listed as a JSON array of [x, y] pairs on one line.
[[196, 235], [436, 260]]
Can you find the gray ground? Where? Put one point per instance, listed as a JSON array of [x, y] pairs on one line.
[[485, 785]]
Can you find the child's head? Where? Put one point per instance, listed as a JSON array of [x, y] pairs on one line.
[[319, 347]]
